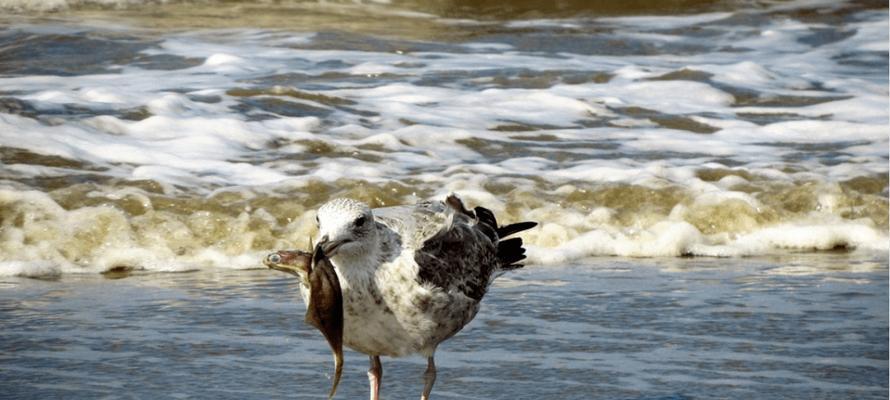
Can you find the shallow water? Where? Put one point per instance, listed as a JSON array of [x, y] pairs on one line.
[[793, 327]]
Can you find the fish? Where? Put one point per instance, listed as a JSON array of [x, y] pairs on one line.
[[324, 308]]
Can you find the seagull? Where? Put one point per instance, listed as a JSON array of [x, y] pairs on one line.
[[409, 277]]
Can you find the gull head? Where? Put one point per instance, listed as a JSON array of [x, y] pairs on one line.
[[346, 229]]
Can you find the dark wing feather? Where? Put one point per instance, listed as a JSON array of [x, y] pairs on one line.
[[510, 251], [459, 257], [508, 230], [464, 255]]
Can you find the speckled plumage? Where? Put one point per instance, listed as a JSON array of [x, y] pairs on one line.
[[411, 276]]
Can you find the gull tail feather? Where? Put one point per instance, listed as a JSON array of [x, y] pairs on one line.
[[510, 251]]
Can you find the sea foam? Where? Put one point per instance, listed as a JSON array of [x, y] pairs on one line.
[[645, 136]]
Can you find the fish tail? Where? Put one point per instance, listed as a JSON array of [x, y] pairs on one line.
[[338, 372]]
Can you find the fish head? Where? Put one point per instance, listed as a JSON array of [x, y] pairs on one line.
[[295, 262]]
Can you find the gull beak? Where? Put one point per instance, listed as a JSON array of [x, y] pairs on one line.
[[329, 247]]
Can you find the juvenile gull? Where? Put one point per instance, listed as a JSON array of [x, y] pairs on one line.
[[411, 276]]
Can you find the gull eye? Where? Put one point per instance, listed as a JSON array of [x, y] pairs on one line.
[[359, 221]]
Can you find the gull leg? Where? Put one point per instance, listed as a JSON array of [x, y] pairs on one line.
[[375, 374], [429, 378]]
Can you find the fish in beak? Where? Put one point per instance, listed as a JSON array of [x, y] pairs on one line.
[[294, 262], [325, 309]]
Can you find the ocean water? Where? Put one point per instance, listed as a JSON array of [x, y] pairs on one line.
[[147, 137], [710, 179], [790, 327]]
